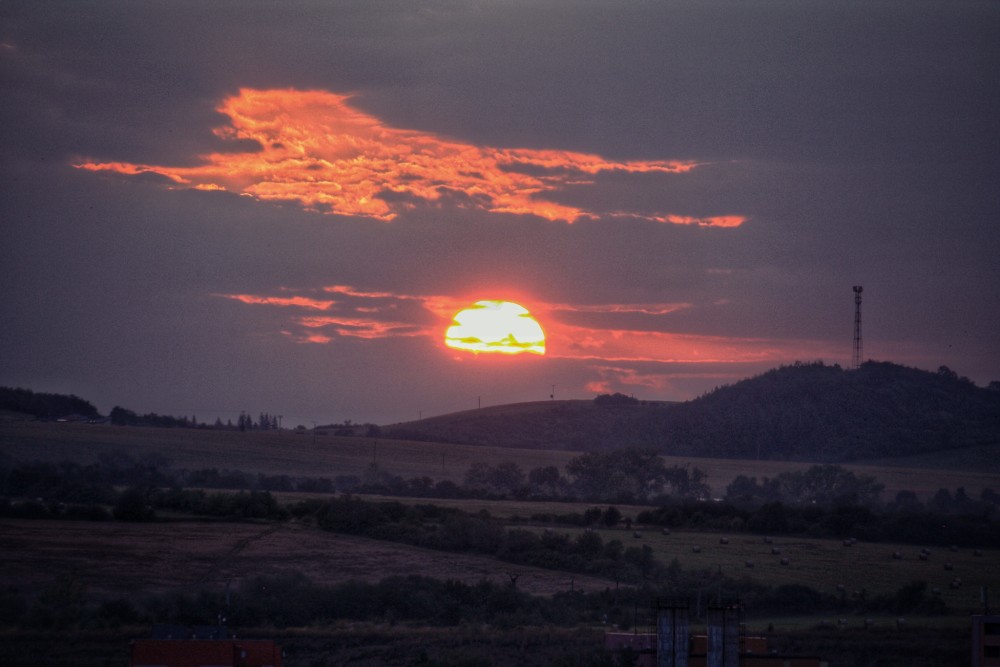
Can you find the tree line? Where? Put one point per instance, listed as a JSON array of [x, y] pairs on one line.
[[290, 599], [44, 405]]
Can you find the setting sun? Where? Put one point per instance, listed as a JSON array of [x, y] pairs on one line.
[[496, 326]]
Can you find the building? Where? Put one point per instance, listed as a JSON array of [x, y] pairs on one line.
[[724, 643], [755, 652], [986, 640], [172, 646]]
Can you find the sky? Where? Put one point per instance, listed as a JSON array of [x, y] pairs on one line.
[[216, 207]]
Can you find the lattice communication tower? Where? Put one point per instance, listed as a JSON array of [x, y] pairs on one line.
[[858, 347]]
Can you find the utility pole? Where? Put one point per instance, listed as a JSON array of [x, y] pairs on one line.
[[858, 348]]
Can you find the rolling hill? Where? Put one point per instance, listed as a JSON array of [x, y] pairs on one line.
[[802, 412], [881, 413]]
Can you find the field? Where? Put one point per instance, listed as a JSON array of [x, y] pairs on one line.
[[133, 560], [314, 455], [120, 559], [826, 564], [124, 559]]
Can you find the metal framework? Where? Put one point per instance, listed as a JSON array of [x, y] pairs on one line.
[[726, 634], [672, 632], [858, 348]]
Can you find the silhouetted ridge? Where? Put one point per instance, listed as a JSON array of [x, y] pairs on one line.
[[804, 412], [814, 412]]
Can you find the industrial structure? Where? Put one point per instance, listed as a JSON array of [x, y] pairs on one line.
[[724, 643]]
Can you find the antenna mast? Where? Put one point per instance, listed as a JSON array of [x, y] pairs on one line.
[[858, 348]]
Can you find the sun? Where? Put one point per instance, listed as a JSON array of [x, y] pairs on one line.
[[496, 326]]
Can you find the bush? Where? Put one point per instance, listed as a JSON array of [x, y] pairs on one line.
[[133, 505]]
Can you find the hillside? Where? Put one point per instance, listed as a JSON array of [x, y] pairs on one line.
[[803, 412], [569, 425]]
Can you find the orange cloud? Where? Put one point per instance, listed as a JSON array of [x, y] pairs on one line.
[[708, 221], [621, 308], [319, 151], [624, 345], [360, 327], [369, 315], [300, 301], [715, 221]]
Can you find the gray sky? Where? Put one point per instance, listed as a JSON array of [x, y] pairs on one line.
[[279, 207]]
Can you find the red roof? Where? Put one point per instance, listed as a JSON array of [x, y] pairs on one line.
[[203, 652]]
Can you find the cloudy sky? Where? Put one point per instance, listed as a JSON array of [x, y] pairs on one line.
[[210, 207]]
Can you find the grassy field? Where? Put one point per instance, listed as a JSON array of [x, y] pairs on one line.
[[129, 559], [117, 559], [826, 564], [310, 455]]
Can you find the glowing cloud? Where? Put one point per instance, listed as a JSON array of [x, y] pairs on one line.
[[612, 334], [297, 301], [319, 151]]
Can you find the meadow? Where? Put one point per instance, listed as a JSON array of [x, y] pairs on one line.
[[828, 566], [311, 454], [135, 559]]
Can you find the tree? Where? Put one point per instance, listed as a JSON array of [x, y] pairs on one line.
[[618, 474], [504, 478], [907, 501], [828, 484], [611, 517], [547, 479], [507, 477], [478, 476], [119, 416], [942, 501], [687, 483], [132, 505], [615, 399], [743, 489]]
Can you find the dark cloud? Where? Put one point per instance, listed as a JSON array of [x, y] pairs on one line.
[[859, 141]]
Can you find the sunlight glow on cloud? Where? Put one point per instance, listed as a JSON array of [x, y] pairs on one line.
[[624, 345], [358, 327], [370, 315], [319, 151], [300, 301]]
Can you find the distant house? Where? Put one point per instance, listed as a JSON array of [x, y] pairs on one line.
[[986, 641], [181, 647]]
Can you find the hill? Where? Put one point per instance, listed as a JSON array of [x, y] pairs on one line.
[[568, 425], [802, 412]]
